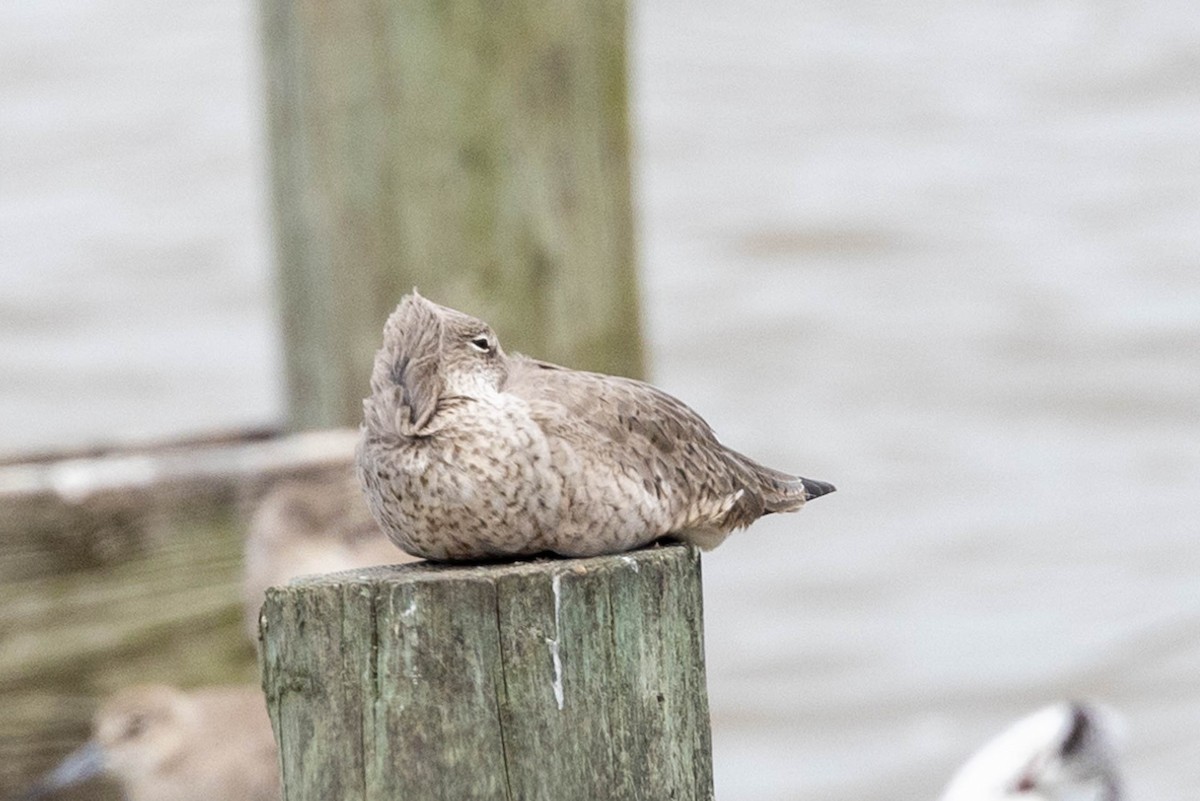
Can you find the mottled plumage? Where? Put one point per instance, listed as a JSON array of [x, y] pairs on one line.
[[469, 453]]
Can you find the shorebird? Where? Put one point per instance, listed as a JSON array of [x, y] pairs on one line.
[[163, 744], [469, 453], [1064, 752], [310, 525]]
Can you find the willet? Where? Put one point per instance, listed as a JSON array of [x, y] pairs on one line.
[[163, 744], [470, 453]]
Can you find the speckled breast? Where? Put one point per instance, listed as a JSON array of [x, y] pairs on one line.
[[479, 485]]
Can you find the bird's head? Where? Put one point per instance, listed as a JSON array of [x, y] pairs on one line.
[[1064, 752], [430, 353], [136, 733], [143, 729]]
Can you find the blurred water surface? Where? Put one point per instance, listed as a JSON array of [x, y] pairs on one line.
[[946, 255]]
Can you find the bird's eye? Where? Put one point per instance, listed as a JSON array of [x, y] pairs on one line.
[[134, 727], [482, 344]]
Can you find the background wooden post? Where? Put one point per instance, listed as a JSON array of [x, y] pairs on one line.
[[546, 680], [477, 150]]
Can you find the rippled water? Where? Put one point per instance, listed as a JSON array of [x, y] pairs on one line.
[[946, 255]]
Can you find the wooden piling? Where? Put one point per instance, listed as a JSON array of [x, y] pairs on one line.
[[476, 150], [557, 679]]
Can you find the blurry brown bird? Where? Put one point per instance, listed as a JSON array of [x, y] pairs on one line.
[[306, 526], [469, 453], [163, 744]]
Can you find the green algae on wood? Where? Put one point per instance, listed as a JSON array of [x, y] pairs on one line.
[[553, 679]]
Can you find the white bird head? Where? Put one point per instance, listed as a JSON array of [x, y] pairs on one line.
[[1064, 752]]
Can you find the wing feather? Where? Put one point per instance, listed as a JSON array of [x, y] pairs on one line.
[[673, 452]]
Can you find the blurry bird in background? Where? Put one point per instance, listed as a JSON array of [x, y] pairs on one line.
[[310, 525], [215, 744], [164, 744], [1064, 752]]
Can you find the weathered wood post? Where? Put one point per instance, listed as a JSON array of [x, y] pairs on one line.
[[477, 150], [554, 680]]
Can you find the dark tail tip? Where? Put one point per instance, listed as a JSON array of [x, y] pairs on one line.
[[815, 489]]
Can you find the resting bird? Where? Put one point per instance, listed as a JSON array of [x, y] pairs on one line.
[[1064, 752], [468, 453], [310, 525], [163, 744]]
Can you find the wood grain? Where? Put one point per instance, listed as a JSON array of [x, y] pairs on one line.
[[478, 151], [538, 680]]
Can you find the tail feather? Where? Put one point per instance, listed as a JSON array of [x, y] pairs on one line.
[[779, 491], [788, 496], [815, 489]]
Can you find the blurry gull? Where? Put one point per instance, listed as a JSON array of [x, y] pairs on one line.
[[307, 526], [1064, 752], [164, 744]]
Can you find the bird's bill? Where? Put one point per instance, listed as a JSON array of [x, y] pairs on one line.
[[80, 765]]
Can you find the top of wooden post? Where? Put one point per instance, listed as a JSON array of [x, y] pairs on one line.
[[497, 571]]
